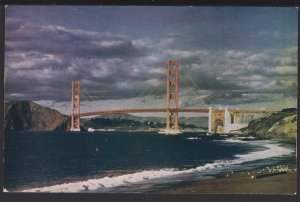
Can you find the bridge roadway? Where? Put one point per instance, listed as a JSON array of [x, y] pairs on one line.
[[196, 110], [115, 111]]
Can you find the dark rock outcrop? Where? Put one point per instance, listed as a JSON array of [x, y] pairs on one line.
[[27, 115]]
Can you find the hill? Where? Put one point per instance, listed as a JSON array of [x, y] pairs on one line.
[[130, 122], [197, 122], [279, 125], [27, 115]]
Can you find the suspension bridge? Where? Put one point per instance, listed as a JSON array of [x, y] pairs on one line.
[[219, 120]]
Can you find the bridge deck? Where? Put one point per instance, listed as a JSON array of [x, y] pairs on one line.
[[116, 111], [157, 110]]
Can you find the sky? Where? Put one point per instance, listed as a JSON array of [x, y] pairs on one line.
[[240, 57]]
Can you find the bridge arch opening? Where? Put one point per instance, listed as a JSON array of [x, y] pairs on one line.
[[218, 126]]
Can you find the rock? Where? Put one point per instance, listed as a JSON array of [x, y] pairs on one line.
[[27, 115]]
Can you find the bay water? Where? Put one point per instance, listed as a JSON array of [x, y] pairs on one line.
[[134, 162]]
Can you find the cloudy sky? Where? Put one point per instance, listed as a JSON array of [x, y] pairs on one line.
[[229, 56]]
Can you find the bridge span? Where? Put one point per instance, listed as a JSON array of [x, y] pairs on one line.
[[219, 120], [133, 111]]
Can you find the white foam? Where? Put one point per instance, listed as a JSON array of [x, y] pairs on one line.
[[249, 137], [231, 140], [273, 150], [193, 138], [109, 182]]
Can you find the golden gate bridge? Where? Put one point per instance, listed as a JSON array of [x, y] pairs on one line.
[[219, 120]]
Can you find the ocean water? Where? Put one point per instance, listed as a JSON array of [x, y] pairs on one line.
[[134, 162]]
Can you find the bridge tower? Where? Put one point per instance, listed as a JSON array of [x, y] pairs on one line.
[[75, 120], [172, 98]]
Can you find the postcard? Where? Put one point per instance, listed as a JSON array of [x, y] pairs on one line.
[[150, 99]]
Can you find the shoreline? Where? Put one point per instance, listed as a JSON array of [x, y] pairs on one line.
[[238, 182], [244, 182]]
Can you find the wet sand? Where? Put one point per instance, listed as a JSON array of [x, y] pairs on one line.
[[245, 182]]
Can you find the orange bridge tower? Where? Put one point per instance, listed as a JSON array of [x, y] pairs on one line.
[[172, 98]]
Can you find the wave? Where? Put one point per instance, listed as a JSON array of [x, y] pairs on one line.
[[249, 137], [162, 175], [193, 138], [231, 140], [272, 151]]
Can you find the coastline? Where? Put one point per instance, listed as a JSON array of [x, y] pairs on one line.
[[242, 182]]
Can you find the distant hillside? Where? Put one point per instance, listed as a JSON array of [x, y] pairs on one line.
[[280, 125], [199, 122], [27, 115], [129, 122]]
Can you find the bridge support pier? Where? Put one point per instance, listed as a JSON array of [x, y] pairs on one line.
[[75, 120], [209, 119], [226, 121], [227, 124]]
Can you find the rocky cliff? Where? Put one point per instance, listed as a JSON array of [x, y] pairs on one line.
[[27, 115], [279, 125]]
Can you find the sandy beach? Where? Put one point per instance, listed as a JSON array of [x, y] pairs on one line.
[[246, 182]]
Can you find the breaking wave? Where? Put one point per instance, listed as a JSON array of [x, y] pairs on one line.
[[231, 140], [163, 175]]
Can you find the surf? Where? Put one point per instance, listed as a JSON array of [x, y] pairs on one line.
[[166, 175]]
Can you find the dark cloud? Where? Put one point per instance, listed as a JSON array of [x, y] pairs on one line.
[[24, 36], [238, 97], [239, 77], [41, 58], [41, 62]]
